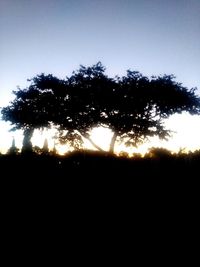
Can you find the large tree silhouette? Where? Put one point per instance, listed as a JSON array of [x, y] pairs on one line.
[[139, 106], [133, 107], [82, 108]]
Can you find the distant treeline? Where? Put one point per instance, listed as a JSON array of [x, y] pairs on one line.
[[158, 163]]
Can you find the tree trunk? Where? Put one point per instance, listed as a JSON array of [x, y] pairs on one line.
[[112, 143], [27, 145], [86, 136], [95, 145]]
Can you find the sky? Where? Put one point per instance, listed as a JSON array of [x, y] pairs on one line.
[[154, 37]]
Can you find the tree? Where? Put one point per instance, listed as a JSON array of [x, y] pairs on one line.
[[139, 106], [33, 107], [82, 107], [64, 103], [133, 106], [13, 150], [45, 148]]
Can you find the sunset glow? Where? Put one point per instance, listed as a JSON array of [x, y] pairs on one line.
[[186, 136], [152, 37]]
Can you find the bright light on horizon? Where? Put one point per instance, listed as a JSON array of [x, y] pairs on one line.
[[186, 135], [152, 37]]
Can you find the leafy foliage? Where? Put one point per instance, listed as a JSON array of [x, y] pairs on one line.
[[133, 106]]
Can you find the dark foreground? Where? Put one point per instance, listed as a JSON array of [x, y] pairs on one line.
[[100, 176], [82, 166], [86, 185]]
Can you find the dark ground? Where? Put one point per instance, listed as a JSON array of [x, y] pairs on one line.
[[103, 169], [101, 194], [93, 165]]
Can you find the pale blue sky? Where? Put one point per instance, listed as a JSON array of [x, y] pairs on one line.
[[56, 36]]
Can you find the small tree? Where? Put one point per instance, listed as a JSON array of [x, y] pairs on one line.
[[45, 148], [13, 150], [54, 151]]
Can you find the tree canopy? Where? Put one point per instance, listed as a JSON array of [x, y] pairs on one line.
[[133, 106], [34, 106]]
